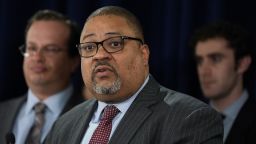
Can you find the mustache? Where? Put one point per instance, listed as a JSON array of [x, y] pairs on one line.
[[101, 63]]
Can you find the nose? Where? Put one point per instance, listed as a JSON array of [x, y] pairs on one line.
[[204, 69], [102, 53]]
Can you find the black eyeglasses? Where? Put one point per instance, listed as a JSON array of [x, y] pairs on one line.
[[111, 45]]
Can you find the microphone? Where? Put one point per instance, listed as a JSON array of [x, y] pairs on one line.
[[10, 138]]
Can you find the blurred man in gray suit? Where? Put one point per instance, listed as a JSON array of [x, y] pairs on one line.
[[114, 61], [223, 57], [50, 58]]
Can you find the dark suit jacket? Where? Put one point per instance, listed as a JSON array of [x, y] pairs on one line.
[[10, 109], [157, 116], [243, 130]]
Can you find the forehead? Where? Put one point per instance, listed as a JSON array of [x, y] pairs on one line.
[[48, 29], [100, 26], [211, 46]]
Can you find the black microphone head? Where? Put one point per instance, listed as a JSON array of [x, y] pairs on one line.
[[10, 138]]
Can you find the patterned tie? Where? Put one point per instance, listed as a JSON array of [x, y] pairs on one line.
[[102, 132], [35, 131]]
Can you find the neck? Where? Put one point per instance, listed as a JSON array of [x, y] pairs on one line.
[[225, 101], [43, 92]]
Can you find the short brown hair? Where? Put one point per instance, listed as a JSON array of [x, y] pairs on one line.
[[50, 15]]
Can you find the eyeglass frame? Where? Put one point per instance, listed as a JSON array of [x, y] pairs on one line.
[[101, 43], [23, 49]]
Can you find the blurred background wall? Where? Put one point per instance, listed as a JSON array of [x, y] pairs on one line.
[[168, 26]]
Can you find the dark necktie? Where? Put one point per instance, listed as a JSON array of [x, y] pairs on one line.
[[223, 116], [35, 131], [102, 132]]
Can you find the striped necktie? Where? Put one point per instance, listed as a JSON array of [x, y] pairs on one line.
[[35, 131]]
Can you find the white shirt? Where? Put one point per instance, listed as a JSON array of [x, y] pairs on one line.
[[123, 107], [26, 116]]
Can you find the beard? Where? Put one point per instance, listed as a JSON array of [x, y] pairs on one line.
[[106, 90]]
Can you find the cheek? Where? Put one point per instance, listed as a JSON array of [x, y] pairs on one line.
[[27, 63], [86, 71], [227, 71], [25, 68], [131, 62], [57, 65], [134, 66], [199, 71]]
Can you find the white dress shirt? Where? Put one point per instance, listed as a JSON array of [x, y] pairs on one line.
[[26, 116], [123, 107]]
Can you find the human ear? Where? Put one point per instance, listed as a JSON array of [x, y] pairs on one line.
[[145, 53], [244, 64]]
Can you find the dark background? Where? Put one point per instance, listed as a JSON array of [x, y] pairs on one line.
[[168, 26]]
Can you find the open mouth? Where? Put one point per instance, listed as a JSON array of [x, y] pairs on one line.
[[103, 71]]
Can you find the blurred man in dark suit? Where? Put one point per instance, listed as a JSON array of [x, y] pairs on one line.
[[223, 57], [50, 58]]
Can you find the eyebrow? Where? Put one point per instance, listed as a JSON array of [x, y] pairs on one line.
[[211, 54], [109, 33], [88, 35], [113, 33], [215, 54]]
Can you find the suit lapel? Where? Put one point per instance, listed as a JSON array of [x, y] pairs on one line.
[[13, 110], [74, 100], [82, 123], [137, 113], [242, 123]]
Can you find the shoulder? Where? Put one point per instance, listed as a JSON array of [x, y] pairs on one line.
[[8, 111], [12, 103], [175, 102], [14, 100], [76, 113], [250, 104], [71, 123], [180, 115], [172, 97], [191, 117], [9, 108], [185, 106], [248, 111]]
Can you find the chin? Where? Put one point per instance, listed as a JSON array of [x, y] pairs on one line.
[[40, 82], [110, 99], [213, 96], [105, 98]]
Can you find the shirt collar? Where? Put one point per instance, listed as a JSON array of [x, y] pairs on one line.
[[31, 101], [55, 103], [122, 106], [233, 109]]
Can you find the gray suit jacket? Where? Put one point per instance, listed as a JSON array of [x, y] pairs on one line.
[[157, 116], [10, 109]]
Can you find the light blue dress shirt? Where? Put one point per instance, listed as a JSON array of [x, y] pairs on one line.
[[123, 107], [25, 118], [231, 113]]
